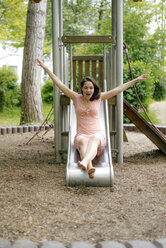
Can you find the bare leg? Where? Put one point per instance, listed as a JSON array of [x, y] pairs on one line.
[[82, 150], [91, 151], [91, 170], [89, 166]]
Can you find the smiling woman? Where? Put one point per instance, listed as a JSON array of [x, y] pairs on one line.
[[90, 89], [88, 141]]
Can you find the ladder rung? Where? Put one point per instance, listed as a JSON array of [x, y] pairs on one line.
[[63, 151], [112, 100], [65, 133], [64, 100], [114, 150], [113, 133]]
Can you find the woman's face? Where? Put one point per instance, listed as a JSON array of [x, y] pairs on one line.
[[88, 90]]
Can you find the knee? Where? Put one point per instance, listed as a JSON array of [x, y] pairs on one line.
[[81, 143], [95, 138]]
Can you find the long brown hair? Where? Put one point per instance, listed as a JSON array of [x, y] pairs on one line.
[[96, 94]]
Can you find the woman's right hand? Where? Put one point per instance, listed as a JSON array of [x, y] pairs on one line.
[[70, 93], [40, 63]]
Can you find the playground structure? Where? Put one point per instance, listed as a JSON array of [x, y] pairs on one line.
[[110, 75], [61, 110], [60, 68]]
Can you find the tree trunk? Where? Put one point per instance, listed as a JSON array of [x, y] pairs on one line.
[[31, 104]]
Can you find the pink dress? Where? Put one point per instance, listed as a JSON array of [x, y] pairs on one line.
[[88, 122]]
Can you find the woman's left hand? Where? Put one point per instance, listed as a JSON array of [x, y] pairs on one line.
[[142, 77]]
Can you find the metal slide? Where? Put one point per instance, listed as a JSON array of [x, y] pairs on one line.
[[104, 174]]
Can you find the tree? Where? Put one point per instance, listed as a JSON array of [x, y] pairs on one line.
[[160, 33], [79, 18], [13, 22], [31, 104]]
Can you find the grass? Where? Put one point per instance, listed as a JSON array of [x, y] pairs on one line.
[[152, 116], [11, 116]]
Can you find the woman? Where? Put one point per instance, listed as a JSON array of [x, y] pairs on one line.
[[89, 140]]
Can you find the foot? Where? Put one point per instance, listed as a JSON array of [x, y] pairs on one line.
[[91, 175], [91, 172], [82, 165]]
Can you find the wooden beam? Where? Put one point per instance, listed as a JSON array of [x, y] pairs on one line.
[[112, 100], [87, 39], [87, 57], [74, 74], [64, 100], [144, 126]]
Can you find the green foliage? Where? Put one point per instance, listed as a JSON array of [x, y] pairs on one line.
[[94, 17], [143, 88], [79, 18], [137, 17], [152, 115], [159, 90], [78, 15], [13, 21], [47, 92], [48, 30], [9, 89], [2, 100]]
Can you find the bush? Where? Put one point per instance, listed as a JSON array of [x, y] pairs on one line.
[[143, 88], [159, 89], [2, 100], [9, 89], [47, 92]]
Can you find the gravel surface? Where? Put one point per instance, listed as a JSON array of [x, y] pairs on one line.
[[35, 204]]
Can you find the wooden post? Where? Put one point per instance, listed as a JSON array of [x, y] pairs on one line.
[[74, 74], [94, 69], [101, 74], [87, 64]]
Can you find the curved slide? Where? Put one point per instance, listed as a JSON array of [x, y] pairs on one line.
[[104, 174]]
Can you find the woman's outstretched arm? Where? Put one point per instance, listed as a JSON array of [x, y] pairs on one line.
[[120, 88], [58, 82]]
